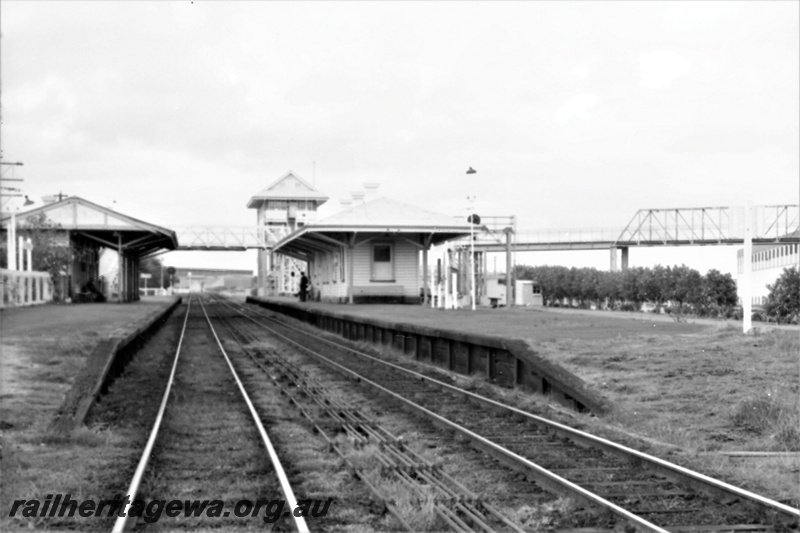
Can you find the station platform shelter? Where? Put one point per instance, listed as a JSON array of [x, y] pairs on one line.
[[76, 233], [373, 252]]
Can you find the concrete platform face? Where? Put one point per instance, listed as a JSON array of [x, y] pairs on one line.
[[524, 323], [502, 357]]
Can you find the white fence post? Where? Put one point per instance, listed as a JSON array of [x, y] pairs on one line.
[[21, 288]]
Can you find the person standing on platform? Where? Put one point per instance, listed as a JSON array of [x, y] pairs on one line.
[[303, 287]]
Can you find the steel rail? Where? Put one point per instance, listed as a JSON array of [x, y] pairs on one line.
[[133, 489], [351, 421], [314, 422], [286, 488], [548, 478], [581, 436]]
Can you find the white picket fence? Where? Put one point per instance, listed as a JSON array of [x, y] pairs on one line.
[[21, 288]]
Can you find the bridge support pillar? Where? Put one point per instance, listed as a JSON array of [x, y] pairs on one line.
[[613, 265], [624, 250]]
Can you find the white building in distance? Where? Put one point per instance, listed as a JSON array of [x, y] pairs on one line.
[[769, 261]]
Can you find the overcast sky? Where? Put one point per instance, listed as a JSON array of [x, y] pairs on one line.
[[575, 114]]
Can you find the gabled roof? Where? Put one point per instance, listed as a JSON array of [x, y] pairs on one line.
[[290, 186], [383, 217], [102, 224], [385, 213]]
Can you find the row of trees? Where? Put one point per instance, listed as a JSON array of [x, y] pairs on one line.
[[160, 276], [713, 294], [783, 302]]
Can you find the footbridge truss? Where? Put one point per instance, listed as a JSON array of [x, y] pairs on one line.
[[649, 227], [659, 227], [227, 238]]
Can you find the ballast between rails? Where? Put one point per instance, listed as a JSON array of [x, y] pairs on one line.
[[286, 487], [684, 474], [121, 523], [542, 475], [699, 481], [410, 468]]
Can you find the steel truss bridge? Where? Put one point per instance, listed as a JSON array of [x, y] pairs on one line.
[[695, 226]]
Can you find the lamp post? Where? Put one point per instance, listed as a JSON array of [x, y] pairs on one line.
[[471, 220]]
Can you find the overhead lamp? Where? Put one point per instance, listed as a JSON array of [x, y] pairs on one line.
[[28, 201], [472, 171]]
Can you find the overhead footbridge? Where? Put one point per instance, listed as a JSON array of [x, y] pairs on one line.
[[687, 226], [692, 226], [226, 238]]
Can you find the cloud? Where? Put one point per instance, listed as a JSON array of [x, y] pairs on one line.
[[575, 106], [660, 68], [581, 71]]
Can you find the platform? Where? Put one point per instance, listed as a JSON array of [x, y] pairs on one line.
[[27, 323], [530, 324], [43, 348], [502, 345]]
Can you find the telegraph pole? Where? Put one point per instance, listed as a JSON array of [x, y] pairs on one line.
[[11, 230]]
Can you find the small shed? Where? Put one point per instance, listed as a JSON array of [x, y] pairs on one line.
[[85, 227], [529, 293], [372, 252]]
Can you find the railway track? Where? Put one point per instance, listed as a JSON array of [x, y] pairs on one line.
[[347, 428], [234, 452], [648, 493]]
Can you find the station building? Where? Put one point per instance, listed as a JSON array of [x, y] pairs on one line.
[[376, 251]]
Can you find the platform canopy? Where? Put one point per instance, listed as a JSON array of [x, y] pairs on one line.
[[104, 226], [379, 218]]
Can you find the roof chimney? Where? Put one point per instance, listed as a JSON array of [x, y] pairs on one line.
[[49, 199], [371, 188]]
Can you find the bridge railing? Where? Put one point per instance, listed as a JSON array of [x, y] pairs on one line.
[[567, 235], [710, 224], [227, 237], [777, 221]]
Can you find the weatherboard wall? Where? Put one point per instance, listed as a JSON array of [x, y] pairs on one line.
[[329, 274], [406, 273]]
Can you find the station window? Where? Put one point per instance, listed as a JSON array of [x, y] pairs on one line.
[[382, 262]]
